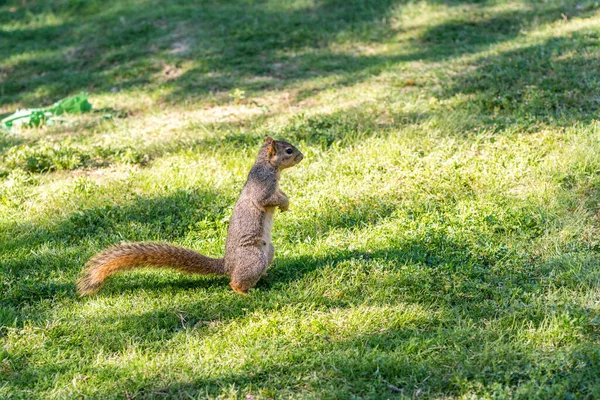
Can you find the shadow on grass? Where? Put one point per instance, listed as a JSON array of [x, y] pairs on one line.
[[557, 79], [427, 357], [229, 45], [390, 364], [128, 45]]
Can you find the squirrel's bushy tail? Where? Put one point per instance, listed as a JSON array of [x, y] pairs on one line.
[[155, 255]]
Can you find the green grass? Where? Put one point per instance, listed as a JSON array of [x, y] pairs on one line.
[[444, 227]]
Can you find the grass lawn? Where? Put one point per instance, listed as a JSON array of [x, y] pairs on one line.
[[444, 228]]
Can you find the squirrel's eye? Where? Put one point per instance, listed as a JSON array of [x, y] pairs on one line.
[[289, 151]]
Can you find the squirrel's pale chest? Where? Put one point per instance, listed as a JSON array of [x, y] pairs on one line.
[[268, 224]]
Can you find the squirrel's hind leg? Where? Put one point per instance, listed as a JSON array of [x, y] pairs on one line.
[[250, 264]]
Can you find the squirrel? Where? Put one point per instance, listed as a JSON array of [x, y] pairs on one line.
[[248, 247]]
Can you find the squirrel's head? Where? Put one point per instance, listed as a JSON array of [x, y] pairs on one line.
[[281, 154]]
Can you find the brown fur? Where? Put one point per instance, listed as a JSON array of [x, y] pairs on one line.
[[248, 248]]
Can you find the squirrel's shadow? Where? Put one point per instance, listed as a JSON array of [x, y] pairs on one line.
[[151, 280]]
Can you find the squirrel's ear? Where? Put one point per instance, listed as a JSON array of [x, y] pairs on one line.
[[272, 146]]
